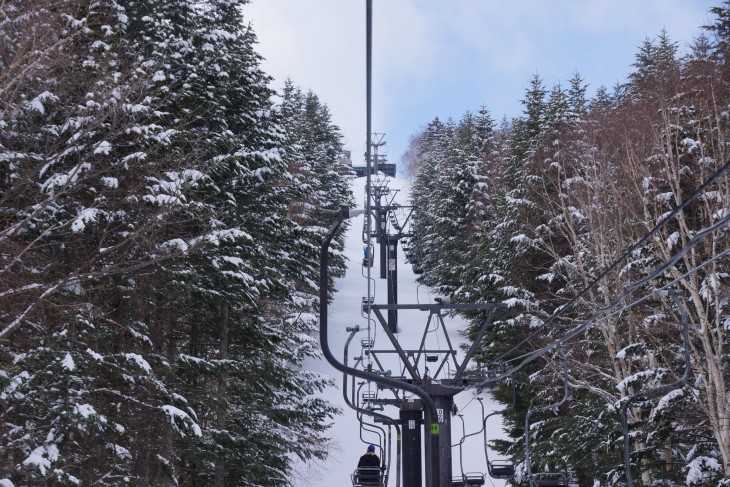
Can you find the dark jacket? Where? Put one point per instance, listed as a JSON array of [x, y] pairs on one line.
[[369, 460]]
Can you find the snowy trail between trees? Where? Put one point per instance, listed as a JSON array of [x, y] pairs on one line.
[[346, 446]]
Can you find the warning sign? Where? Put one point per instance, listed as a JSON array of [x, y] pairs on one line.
[[391, 264]]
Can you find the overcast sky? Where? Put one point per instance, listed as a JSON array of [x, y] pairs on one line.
[[441, 58]]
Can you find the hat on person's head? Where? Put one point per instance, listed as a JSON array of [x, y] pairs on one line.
[[371, 448]]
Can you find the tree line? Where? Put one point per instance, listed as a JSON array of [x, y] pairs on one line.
[[159, 248], [532, 211]]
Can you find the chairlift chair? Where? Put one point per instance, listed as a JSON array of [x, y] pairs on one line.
[[501, 469], [367, 260], [549, 479], [546, 479], [367, 477], [469, 479], [367, 302], [498, 468], [661, 389]]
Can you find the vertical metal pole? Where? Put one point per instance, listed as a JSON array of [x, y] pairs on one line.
[[411, 421], [383, 253], [368, 128], [444, 406], [392, 282], [428, 454], [431, 429], [381, 219], [434, 479]]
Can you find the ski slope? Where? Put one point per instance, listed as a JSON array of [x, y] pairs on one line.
[[346, 444]]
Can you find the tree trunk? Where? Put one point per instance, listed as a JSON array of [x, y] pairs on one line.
[[221, 411]]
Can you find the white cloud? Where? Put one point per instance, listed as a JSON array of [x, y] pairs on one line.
[[434, 58], [320, 45]]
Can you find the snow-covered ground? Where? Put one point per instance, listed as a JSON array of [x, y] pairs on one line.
[[344, 312]]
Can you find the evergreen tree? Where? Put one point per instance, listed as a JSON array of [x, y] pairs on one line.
[[701, 48], [721, 30], [558, 111], [527, 129], [577, 97], [431, 154], [151, 259], [456, 180], [656, 64], [601, 100]]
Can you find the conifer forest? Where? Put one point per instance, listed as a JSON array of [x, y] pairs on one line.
[[160, 230]]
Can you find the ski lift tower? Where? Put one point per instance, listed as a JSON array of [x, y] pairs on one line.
[[423, 382], [431, 371], [385, 213]]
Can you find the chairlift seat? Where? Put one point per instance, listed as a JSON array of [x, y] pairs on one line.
[[369, 396], [468, 480], [549, 479], [367, 477], [491, 373], [501, 469]]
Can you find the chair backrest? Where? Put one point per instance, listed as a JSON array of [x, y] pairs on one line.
[[367, 477], [501, 469], [468, 480], [549, 479]]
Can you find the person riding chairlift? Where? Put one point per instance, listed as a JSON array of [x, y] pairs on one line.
[[370, 459]]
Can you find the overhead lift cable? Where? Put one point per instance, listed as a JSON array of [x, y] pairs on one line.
[[596, 317], [669, 217]]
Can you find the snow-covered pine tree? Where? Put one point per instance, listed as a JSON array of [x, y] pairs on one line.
[[451, 192], [322, 149], [656, 65], [578, 194], [577, 97], [483, 210], [430, 156], [721, 30], [149, 261], [81, 219], [601, 100]]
